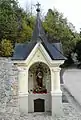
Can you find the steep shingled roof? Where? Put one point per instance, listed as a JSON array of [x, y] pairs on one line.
[[54, 50]]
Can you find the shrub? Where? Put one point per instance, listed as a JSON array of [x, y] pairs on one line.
[[6, 48], [67, 62], [78, 50]]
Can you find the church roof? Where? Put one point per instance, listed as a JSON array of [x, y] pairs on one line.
[[54, 50]]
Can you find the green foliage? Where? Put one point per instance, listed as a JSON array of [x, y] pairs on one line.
[[8, 19], [67, 62], [57, 27], [17, 25], [24, 34], [78, 50], [6, 48]]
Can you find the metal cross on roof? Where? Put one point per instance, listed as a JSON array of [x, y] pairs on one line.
[[38, 7]]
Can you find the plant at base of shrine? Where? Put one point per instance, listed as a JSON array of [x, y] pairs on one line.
[[40, 90]]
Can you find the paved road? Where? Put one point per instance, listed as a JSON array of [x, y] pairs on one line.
[[72, 80]]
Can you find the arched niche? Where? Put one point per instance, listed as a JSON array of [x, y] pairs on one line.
[[36, 71]]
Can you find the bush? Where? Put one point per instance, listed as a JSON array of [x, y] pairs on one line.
[[78, 50], [6, 48], [67, 62]]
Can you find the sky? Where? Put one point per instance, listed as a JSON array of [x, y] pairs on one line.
[[70, 8]]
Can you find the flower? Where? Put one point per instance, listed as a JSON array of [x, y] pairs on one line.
[[40, 90]]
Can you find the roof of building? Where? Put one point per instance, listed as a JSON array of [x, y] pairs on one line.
[[54, 50]]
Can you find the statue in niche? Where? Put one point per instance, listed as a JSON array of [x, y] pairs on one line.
[[39, 77]]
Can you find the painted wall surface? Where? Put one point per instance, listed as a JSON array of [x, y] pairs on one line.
[[46, 81], [38, 56]]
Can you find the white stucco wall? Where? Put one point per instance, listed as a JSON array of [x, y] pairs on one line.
[[23, 81]]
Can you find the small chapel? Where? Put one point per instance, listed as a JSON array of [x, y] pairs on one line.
[[38, 64]]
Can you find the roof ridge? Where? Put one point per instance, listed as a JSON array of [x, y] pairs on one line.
[[38, 29]]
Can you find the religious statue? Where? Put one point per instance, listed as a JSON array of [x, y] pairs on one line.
[[39, 77]]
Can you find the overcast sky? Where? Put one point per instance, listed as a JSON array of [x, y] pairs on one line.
[[70, 8]]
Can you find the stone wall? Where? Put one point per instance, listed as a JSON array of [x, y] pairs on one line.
[[8, 81]]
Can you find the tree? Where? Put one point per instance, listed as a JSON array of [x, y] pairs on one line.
[[15, 24], [8, 19], [26, 24], [57, 27], [78, 50], [25, 33]]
